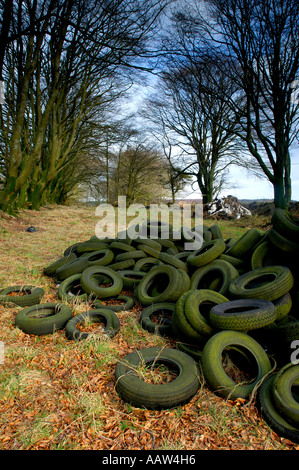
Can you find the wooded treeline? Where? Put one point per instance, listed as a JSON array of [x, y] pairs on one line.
[[225, 73]]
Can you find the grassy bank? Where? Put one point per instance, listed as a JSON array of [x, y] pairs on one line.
[[58, 394]]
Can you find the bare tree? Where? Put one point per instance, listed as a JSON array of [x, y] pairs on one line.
[[255, 44]]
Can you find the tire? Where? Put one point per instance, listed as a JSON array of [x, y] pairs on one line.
[[90, 285], [51, 269], [149, 250], [163, 326], [283, 243], [129, 255], [108, 317], [245, 244], [243, 314], [287, 332], [285, 224], [131, 278], [236, 262], [67, 285], [120, 247], [218, 270], [99, 258], [282, 393], [33, 296], [122, 265], [270, 413], [267, 283], [173, 261], [153, 244], [166, 279], [75, 266], [207, 253], [213, 370], [135, 391], [196, 302], [259, 255], [145, 264], [216, 232], [89, 246], [43, 319], [126, 306], [283, 306]]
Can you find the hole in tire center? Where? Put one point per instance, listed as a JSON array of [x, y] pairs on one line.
[[239, 364], [157, 372], [158, 284], [260, 281], [241, 309]]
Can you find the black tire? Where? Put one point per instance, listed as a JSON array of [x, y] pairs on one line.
[[267, 283], [128, 304], [91, 286], [216, 275], [75, 266], [243, 314], [217, 378], [270, 413], [31, 295], [286, 224], [131, 278], [282, 393], [164, 311], [51, 269], [135, 391], [43, 319], [207, 253], [101, 315], [245, 244], [71, 283]]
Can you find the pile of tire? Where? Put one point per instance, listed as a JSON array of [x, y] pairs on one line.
[[230, 305]]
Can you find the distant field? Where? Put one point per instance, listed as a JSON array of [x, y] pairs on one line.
[[58, 394]]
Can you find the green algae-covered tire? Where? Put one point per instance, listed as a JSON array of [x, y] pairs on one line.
[[271, 414], [141, 394], [282, 393], [70, 289], [101, 315], [214, 372], [90, 281], [26, 295], [207, 253], [51, 269], [269, 283], [127, 303], [43, 319], [243, 314], [163, 311]]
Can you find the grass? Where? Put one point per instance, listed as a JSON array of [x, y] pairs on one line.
[[60, 394]]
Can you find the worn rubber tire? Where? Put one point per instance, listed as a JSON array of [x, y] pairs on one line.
[[270, 413], [283, 243], [170, 291], [99, 258], [108, 317], [43, 319], [222, 271], [207, 253], [281, 281], [121, 265], [157, 396], [243, 314], [173, 261], [283, 306], [90, 286], [75, 266], [163, 327], [245, 244], [51, 269], [89, 246], [126, 306], [145, 264], [66, 286], [129, 255], [131, 278], [212, 366], [33, 296], [286, 224], [282, 393]]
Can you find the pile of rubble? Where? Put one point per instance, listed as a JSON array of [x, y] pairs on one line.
[[226, 208]]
